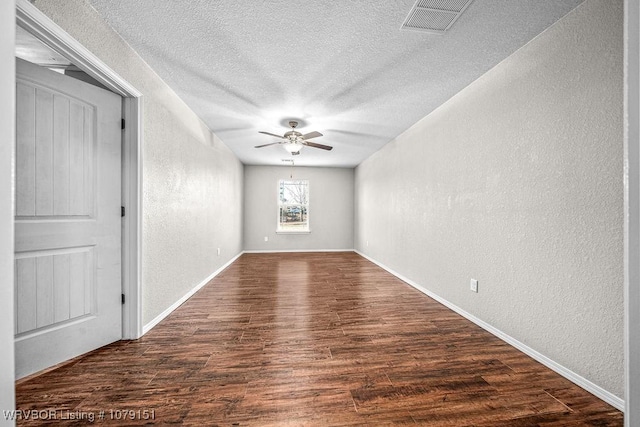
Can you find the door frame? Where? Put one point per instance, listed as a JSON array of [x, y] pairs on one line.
[[42, 27], [632, 211]]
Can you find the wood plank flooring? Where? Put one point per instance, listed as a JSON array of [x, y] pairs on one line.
[[317, 339]]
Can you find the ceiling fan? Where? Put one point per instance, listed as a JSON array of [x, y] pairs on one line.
[[293, 141]]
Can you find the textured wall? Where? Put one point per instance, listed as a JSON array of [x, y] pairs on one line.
[[330, 208], [7, 138], [192, 182], [517, 182]]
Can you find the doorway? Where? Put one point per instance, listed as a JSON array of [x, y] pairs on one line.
[[67, 219], [34, 22]]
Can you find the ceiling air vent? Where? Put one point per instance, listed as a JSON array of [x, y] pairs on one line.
[[434, 16]]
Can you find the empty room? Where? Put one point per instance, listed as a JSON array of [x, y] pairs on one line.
[[320, 213]]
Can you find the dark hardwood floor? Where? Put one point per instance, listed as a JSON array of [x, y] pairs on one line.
[[318, 339]]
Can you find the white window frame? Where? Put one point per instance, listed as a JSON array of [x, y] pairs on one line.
[[279, 229]]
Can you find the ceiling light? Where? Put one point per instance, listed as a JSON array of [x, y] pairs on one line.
[[292, 147]]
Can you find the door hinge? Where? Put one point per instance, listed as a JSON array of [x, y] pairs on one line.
[[122, 210], [122, 124], [122, 298]]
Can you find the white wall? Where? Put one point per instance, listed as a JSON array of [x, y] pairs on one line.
[[7, 142], [192, 182], [330, 209], [517, 182]]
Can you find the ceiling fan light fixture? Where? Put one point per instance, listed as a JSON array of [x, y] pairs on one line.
[[293, 147]]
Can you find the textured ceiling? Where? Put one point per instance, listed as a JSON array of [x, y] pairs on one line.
[[343, 68]]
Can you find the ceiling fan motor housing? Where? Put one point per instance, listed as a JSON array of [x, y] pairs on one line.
[[292, 135]]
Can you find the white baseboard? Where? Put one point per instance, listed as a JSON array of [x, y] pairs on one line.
[[580, 381], [146, 328], [278, 251]]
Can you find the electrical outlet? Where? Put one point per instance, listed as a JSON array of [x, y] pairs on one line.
[[473, 285], [266, 238], [218, 251]]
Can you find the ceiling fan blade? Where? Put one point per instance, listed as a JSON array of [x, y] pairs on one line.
[[266, 145], [272, 134], [316, 145], [310, 135]]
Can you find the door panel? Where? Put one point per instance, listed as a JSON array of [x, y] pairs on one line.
[[53, 286], [67, 224], [54, 172]]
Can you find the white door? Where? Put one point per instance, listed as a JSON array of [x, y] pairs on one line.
[[67, 218]]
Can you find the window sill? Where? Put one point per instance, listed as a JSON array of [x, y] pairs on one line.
[[293, 232]]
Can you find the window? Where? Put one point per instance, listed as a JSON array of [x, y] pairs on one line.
[[293, 206]]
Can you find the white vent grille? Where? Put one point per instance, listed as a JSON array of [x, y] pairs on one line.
[[450, 5], [434, 16]]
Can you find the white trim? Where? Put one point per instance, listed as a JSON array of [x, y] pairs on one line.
[[159, 318], [42, 27], [632, 212], [592, 388], [132, 221], [289, 251], [7, 204]]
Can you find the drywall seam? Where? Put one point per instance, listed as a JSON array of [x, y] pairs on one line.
[[159, 318], [580, 381]]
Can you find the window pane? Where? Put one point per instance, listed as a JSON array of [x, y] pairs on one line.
[[293, 210], [294, 192]]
